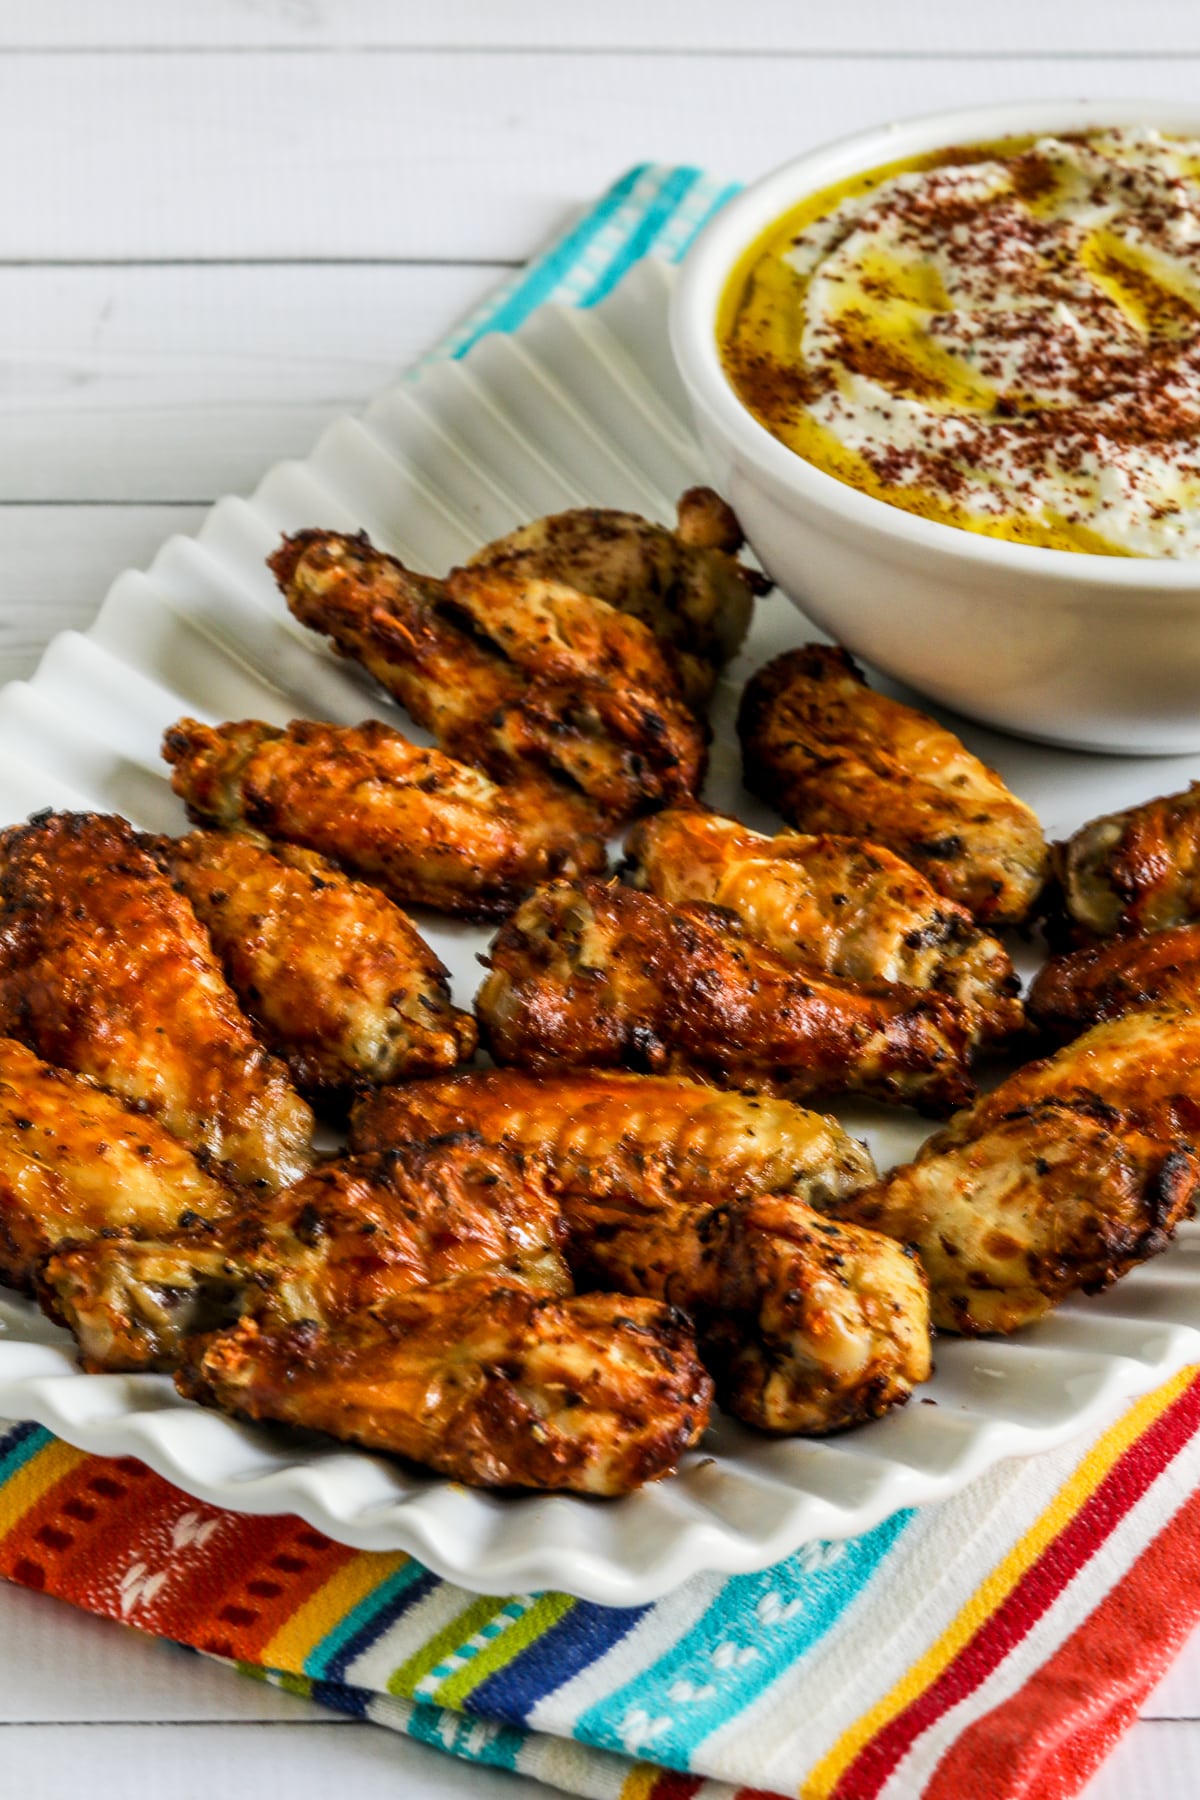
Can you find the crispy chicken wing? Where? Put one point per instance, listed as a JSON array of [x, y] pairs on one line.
[[1060, 1180], [686, 584], [837, 905], [806, 1325], [484, 1379], [1137, 870], [598, 976], [602, 1133], [346, 1239], [699, 1197], [105, 970], [1106, 979], [513, 674], [834, 756], [75, 1162], [425, 829], [338, 980]]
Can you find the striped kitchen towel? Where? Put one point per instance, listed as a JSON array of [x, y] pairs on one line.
[[653, 210], [990, 1647]]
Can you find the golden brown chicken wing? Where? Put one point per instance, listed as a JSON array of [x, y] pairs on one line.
[[1137, 870], [105, 970], [834, 756], [484, 1379], [347, 1238], [1062, 1179], [339, 982], [1106, 979], [75, 1162], [595, 976], [600, 1133], [515, 675], [806, 1326], [425, 829], [837, 905], [685, 584]]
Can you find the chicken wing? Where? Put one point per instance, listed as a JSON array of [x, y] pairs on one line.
[[679, 1192], [597, 976], [483, 1379], [339, 982], [515, 675], [425, 829], [834, 756], [105, 970], [346, 1239], [685, 584], [836, 905], [1062, 1179], [1137, 870], [807, 1326], [601, 1133], [75, 1162], [1106, 979]]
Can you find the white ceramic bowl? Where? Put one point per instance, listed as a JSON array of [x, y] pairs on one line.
[[1101, 652]]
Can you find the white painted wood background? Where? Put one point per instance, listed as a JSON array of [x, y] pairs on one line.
[[224, 222]]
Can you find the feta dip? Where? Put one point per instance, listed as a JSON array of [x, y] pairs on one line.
[[1003, 337]]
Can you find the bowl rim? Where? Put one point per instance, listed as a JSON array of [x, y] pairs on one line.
[[711, 258]]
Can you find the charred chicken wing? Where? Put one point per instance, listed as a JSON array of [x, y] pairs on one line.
[[685, 584], [339, 982], [834, 756], [806, 1325], [601, 1133], [837, 905], [516, 675], [347, 1238], [484, 1379], [598, 976], [75, 1162], [1130, 871], [425, 829], [414, 1301], [679, 1192], [105, 970], [1104, 980], [1060, 1180]]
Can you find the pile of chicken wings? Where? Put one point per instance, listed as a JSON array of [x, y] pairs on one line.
[[543, 1273]]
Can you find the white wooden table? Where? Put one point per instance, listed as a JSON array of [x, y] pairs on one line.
[[226, 221]]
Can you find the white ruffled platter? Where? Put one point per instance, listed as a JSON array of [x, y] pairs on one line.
[[575, 408]]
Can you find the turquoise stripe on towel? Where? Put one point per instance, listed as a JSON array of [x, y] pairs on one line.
[[653, 209]]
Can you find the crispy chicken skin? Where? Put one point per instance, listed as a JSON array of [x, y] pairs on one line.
[[601, 1133], [427, 830], [1109, 978], [685, 584], [338, 980], [834, 756], [807, 1326], [1137, 870], [343, 1241], [74, 1161], [1062, 1179], [837, 905], [515, 675], [105, 970], [590, 975], [484, 1379]]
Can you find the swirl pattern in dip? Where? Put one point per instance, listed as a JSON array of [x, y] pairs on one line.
[[1003, 337]]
